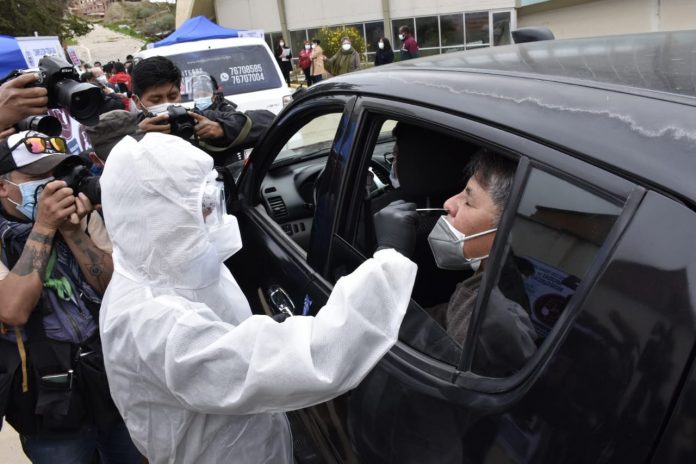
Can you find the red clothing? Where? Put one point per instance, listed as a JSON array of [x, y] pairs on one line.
[[409, 48], [305, 58], [121, 78]]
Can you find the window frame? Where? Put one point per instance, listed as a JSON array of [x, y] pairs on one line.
[[530, 153]]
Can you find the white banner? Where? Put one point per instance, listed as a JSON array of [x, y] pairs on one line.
[[258, 33], [35, 48]]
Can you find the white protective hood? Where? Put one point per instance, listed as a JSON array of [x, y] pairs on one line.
[[197, 378]]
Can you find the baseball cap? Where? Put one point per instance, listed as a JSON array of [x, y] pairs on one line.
[[112, 127], [20, 158]]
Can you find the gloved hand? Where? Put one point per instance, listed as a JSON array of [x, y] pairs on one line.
[[395, 227]]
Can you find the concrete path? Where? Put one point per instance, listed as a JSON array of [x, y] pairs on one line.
[[10, 448], [103, 44]]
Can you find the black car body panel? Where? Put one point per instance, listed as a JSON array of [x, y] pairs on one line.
[[614, 381]]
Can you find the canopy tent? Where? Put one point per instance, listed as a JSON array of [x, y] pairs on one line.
[[198, 28], [11, 56]]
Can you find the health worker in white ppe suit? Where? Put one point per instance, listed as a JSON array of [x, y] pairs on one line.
[[196, 376]]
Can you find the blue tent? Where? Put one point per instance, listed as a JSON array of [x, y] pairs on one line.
[[10, 55], [198, 28]]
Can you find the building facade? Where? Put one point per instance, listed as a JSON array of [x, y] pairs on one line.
[[93, 8]]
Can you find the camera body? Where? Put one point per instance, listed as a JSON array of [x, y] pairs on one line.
[[77, 175], [82, 100], [180, 121]]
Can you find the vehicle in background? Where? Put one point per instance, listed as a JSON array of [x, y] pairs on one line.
[[244, 68]]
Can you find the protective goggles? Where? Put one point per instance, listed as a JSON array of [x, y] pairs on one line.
[[213, 201], [38, 145]]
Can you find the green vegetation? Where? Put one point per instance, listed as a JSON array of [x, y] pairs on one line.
[[143, 20], [331, 40], [47, 17]]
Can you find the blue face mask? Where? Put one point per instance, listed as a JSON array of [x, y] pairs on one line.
[[203, 103], [30, 191]]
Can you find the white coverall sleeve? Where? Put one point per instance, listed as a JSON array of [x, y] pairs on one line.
[[263, 366]]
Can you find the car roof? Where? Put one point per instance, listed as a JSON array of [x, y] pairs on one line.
[[627, 103], [198, 45]]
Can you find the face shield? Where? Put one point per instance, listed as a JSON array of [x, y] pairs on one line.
[[202, 91], [213, 201]]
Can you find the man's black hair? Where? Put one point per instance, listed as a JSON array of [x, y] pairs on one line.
[[316, 41], [129, 57], [154, 71], [119, 67], [108, 67]]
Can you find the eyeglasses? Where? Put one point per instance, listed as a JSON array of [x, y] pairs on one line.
[[37, 145]]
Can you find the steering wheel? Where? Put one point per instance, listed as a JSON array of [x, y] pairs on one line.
[[378, 172]]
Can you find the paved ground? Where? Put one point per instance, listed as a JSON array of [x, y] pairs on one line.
[[10, 448], [103, 44]]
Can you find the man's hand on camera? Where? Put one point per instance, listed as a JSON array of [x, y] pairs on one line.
[[16, 102], [82, 208], [55, 205], [156, 124], [205, 128]]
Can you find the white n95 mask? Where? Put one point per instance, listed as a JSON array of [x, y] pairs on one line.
[[446, 243]]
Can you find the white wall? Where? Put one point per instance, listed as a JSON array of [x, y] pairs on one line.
[[609, 17], [263, 14], [248, 14]]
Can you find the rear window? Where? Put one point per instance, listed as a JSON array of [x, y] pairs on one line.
[[243, 69]]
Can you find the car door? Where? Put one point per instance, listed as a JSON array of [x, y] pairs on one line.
[[573, 232]]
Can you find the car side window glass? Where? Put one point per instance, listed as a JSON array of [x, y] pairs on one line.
[[288, 187], [557, 232]]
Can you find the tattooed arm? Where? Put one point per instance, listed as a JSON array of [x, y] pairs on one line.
[[21, 289], [96, 265]]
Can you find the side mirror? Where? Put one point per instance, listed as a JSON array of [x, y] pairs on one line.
[[532, 34]]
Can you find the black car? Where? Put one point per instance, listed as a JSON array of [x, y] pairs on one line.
[[601, 219]]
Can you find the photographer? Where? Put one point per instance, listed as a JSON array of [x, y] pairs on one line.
[[222, 133], [54, 269]]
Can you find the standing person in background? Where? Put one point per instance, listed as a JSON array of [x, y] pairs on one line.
[[129, 63], [409, 46], [317, 56], [346, 60], [385, 54], [284, 58], [306, 61], [121, 78]]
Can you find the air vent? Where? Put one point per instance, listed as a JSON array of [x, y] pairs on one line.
[[380, 175], [277, 207]]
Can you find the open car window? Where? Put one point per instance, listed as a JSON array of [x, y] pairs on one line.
[[557, 232]]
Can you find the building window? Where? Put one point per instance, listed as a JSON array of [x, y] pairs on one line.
[[477, 29], [396, 24], [452, 30], [297, 39], [427, 32], [501, 28], [373, 32]]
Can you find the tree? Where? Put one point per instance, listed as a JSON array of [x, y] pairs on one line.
[[47, 17], [331, 40]]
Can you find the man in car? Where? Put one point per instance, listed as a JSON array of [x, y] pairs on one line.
[[156, 85], [463, 240], [198, 378]]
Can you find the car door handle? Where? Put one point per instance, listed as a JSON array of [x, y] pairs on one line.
[[280, 301]]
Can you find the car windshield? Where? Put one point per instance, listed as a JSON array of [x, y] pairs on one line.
[[314, 138], [243, 69]]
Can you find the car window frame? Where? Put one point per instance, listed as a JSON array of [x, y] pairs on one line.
[[604, 180]]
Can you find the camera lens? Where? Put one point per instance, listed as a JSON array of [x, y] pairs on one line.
[[46, 124], [81, 99]]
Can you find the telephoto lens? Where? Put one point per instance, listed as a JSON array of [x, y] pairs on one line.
[[46, 124]]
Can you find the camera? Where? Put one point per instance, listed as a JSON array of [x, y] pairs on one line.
[[82, 100], [46, 124], [77, 175], [179, 120]]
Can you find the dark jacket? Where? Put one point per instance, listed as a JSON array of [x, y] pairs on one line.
[[384, 56]]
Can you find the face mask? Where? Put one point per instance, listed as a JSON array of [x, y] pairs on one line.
[[282, 44], [401, 36], [381, 45], [393, 179], [30, 191], [203, 103], [307, 47], [102, 80], [159, 109], [346, 47], [446, 243], [314, 45]]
